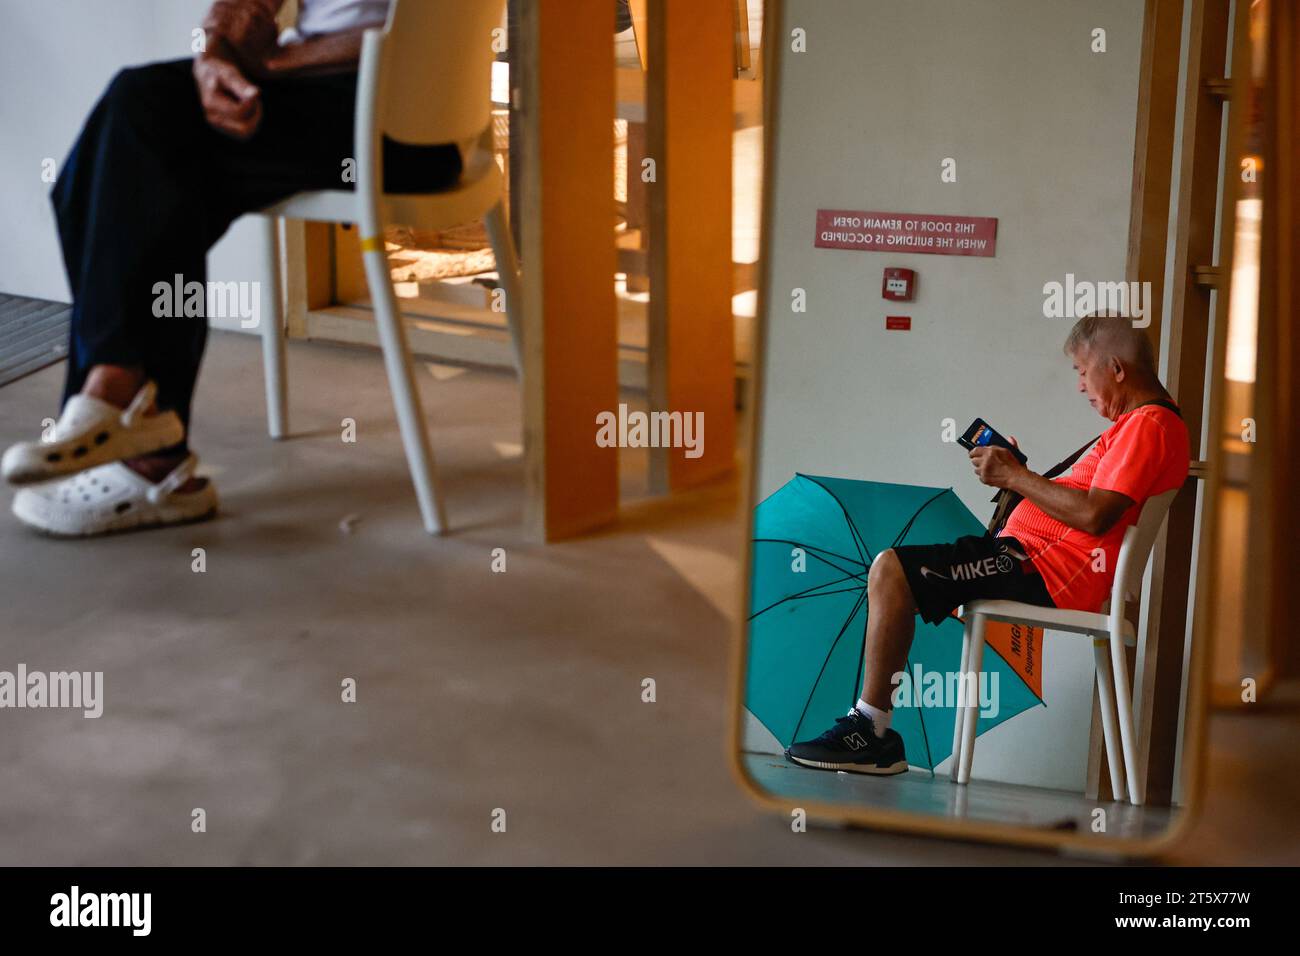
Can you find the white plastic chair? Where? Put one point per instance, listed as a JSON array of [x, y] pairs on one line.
[[1109, 627], [424, 79]]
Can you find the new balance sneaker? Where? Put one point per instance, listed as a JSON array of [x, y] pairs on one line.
[[852, 745]]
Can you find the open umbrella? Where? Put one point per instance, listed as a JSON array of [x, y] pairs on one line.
[[814, 541]]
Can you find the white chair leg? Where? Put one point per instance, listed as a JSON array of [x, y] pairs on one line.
[[273, 332], [503, 249], [406, 398], [1106, 700], [1124, 700], [972, 701], [959, 721]]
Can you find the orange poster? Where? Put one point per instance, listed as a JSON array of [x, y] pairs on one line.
[[1021, 646]]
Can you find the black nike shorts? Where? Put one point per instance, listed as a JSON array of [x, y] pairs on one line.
[[946, 575]]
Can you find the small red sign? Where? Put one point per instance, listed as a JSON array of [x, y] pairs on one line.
[[906, 232], [903, 322]]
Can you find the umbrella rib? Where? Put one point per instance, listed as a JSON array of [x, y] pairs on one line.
[[818, 557], [848, 575], [858, 541], [835, 643], [908, 527], [809, 593], [807, 547], [860, 575]]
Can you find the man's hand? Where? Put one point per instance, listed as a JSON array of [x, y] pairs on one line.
[[332, 53], [246, 28], [996, 466], [1091, 510], [231, 104]]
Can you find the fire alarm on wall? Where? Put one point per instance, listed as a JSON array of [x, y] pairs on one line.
[[900, 285]]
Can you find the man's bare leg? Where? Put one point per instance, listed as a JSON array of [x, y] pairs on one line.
[[117, 385], [862, 741], [891, 624]]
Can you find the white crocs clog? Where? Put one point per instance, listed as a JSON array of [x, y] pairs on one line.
[[91, 432], [113, 498]]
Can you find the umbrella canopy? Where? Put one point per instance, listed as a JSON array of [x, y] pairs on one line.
[[814, 541]]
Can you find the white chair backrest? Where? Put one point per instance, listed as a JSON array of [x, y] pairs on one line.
[[437, 63], [1135, 550]]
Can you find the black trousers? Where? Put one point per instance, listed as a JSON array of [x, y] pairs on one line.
[[948, 574], [149, 187]]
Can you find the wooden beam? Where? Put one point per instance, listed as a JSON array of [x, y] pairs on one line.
[[514, 156], [349, 272], [740, 16], [1158, 701], [1275, 509], [1153, 152], [318, 263], [640, 29], [567, 232], [1234, 644], [1148, 236], [638, 279], [689, 131]]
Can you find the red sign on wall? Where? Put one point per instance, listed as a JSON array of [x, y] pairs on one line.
[[906, 232]]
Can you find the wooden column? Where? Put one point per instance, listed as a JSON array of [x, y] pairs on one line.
[[639, 9], [740, 16], [691, 364], [632, 255], [1188, 333], [514, 158], [1275, 509], [1153, 152], [567, 232]]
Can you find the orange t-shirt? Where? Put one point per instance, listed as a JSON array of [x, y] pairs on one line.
[[1143, 454]]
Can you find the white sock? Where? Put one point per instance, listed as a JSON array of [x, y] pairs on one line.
[[879, 718]]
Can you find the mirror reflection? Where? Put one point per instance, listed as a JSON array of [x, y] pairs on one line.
[[979, 465]]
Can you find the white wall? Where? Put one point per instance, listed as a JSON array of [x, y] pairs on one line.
[[1041, 129], [55, 60]]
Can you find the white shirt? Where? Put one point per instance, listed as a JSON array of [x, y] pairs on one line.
[[332, 16]]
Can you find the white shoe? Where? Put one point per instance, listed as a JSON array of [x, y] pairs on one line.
[[112, 498], [91, 432]]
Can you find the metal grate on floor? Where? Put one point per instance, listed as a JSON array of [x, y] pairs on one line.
[[33, 334]]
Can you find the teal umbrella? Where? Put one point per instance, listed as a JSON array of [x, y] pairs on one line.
[[814, 541]]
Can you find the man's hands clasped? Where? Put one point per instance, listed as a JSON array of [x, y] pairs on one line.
[[240, 35], [231, 104]]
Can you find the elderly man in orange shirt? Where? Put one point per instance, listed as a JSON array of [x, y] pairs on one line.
[[1045, 553]]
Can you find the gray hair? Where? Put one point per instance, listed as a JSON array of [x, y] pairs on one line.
[[1106, 336]]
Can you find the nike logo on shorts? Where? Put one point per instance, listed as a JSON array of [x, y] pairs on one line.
[[926, 572]]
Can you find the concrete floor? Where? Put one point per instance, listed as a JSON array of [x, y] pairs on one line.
[[476, 690]]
